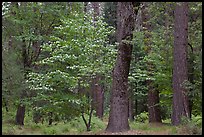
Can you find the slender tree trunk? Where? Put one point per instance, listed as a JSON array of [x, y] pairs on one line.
[[153, 94], [153, 106], [118, 116], [5, 103], [191, 76], [99, 99], [88, 124], [97, 90], [85, 7], [20, 115], [50, 115], [97, 96], [136, 111], [180, 98], [130, 108]]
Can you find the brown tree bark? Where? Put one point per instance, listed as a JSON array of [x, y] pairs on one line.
[[153, 106], [118, 116], [97, 92], [180, 98], [153, 94], [191, 77], [97, 87], [130, 108], [20, 115]]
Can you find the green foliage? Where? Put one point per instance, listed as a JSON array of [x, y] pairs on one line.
[[142, 117], [197, 120], [12, 76], [154, 127], [78, 51], [161, 57], [74, 49], [74, 126], [193, 126]]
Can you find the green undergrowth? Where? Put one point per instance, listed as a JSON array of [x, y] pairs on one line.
[[153, 127], [75, 126]]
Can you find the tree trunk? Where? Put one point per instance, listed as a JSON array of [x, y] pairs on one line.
[[88, 125], [130, 109], [153, 106], [153, 94], [136, 111], [118, 116], [97, 90], [180, 98], [20, 114], [99, 100], [96, 8], [191, 76], [50, 115], [85, 7], [131, 103], [97, 96]]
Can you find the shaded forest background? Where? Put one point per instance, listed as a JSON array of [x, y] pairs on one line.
[[83, 63]]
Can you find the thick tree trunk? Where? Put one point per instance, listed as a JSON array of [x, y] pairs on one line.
[[180, 98], [118, 116]]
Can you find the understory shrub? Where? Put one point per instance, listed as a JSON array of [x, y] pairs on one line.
[[191, 127], [142, 117]]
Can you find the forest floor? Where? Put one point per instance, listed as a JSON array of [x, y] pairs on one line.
[[77, 127], [156, 130], [135, 129], [30, 131]]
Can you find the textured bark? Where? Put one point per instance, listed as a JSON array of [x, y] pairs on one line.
[[130, 108], [97, 88], [153, 106], [97, 96], [21, 108], [180, 98], [153, 94], [118, 116], [190, 67], [20, 114]]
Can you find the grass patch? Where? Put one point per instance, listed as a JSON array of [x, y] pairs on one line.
[[155, 127], [75, 126]]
